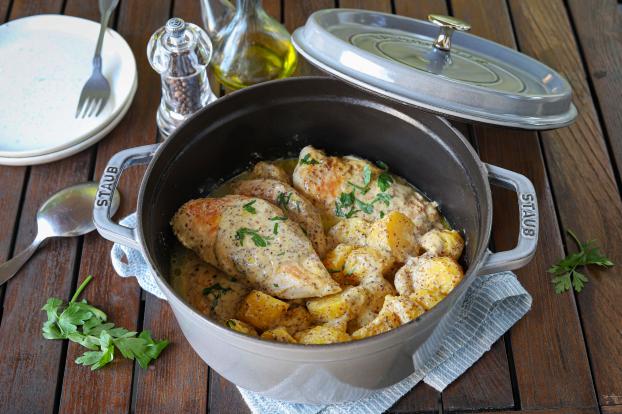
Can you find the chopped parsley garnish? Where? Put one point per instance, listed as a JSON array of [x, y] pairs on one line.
[[308, 160], [381, 214], [231, 324], [275, 285], [334, 270], [366, 180], [349, 201], [216, 291], [249, 207], [255, 237], [275, 229], [278, 218], [282, 200], [384, 181], [382, 165], [345, 202], [385, 198]]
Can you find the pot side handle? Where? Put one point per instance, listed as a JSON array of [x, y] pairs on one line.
[[528, 219], [108, 183]]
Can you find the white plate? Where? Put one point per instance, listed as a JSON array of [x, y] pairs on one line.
[[77, 147], [45, 62]]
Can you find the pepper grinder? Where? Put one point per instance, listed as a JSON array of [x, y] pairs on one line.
[[180, 52]]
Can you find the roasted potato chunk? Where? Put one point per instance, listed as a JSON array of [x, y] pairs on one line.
[[240, 326], [278, 334], [382, 323], [377, 287], [321, 335], [367, 261], [405, 309], [297, 318], [334, 262], [442, 243], [352, 231], [344, 304], [262, 310], [395, 235], [428, 280]]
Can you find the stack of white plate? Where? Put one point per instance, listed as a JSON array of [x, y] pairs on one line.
[[45, 62]]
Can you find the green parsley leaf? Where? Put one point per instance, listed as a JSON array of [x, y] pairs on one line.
[[308, 160], [345, 202], [282, 200], [366, 175], [277, 218], [216, 290], [275, 229], [255, 237], [249, 207], [384, 181], [382, 165], [86, 325], [385, 198], [565, 274]]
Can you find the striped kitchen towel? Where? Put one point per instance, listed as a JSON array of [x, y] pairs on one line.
[[491, 306]]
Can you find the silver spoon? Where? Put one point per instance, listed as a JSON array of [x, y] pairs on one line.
[[67, 213]]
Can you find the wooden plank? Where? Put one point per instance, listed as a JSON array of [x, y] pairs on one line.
[[545, 379], [4, 10], [29, 365], [585, 190], [223, 395], [611, 409], [110, 389], [599, 29], [178, 380], [573, 410]]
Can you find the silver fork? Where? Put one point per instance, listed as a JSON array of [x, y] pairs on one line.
[[96, 90]]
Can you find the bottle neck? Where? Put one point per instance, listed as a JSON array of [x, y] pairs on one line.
[[247, 6]]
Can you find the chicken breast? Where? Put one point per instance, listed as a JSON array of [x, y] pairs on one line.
[[345, 187], [265, 169], [296, 207], [244, 237]]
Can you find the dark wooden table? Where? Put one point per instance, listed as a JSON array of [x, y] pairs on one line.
[[565, 356]]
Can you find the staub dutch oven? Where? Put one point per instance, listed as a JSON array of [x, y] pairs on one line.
[[275, 120]]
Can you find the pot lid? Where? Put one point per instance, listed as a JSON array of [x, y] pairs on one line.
[[436, 66]]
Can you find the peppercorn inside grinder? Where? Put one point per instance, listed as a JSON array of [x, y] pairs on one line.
[[180, 52]]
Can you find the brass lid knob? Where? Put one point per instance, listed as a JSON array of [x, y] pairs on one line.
[[447, 26]]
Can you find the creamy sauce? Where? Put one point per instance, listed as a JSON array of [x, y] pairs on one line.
[[215, 293]]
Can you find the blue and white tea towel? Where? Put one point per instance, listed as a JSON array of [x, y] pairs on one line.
[[493, 304]]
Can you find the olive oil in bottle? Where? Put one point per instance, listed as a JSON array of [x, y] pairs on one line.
[[252, 48]]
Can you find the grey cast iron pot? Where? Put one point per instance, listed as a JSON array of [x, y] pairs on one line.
[[277, 119]]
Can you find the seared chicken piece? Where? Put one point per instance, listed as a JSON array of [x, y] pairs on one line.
[[237, 234], [267, 170], [344, 187], [295, 207]]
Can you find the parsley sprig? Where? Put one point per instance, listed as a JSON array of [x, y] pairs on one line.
[[86, 325], [565, 274]]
